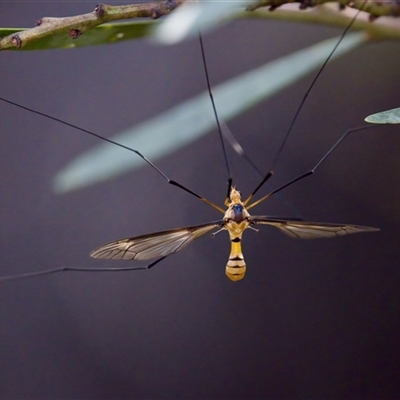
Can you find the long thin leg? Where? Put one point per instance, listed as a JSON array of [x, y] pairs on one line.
[[228, 168], [270, 173], [78, 128], [311, 171], [314, 82], [236, 146], [76, 269]]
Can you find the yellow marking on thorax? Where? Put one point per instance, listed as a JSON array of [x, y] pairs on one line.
[[236, 229]]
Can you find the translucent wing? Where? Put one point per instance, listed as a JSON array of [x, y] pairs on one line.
[[311, 230], [153, 245]]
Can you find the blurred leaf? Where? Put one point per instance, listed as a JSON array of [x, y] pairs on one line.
[[186, 122], [103, 34], [385, 117], [193, 17]]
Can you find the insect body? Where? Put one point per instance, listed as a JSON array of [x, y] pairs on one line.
[[236, 220]]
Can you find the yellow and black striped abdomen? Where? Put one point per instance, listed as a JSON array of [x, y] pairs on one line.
[[236, 267]]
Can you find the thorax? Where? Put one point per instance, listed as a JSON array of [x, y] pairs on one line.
[[236, 219]]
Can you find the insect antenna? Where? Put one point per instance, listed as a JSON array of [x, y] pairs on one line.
[[297, 113]]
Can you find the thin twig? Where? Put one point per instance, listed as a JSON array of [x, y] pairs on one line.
[[77, 25], [328, 14], [374, 8]]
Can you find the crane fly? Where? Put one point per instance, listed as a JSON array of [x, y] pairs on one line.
[[236, 218]]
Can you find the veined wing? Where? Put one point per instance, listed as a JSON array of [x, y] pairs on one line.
[[153, 245], [311, 230]]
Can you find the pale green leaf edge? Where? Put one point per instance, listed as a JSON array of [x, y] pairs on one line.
[[194, 17], [188, 121], [385, 117]]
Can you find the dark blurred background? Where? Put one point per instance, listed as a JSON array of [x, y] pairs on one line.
[[311, 319]]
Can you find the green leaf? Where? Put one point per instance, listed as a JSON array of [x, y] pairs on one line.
[[385, 117], [186, 122], [103, 34]]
